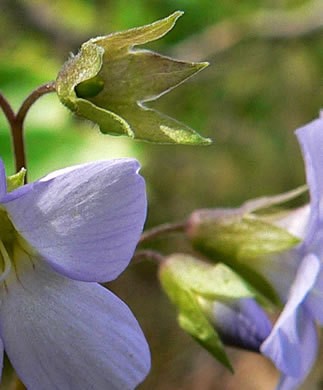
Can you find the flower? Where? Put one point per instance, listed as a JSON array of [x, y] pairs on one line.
[[59, 236], [215, 305], [292, 345]]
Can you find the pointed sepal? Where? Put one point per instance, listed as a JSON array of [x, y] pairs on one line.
[[242, 238], [108, 82], [17, 180], [189, 282]]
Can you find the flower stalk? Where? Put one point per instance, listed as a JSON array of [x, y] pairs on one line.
[[161, 230], [16, 121]]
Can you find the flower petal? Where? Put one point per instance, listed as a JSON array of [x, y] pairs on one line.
[[241, 323], [62, 334], [315, 298], [84, 220], [310, 138], [296, 221], [308, 351], [288, 340], [3, 183]]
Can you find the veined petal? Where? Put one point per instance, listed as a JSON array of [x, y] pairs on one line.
[[62, 334], [3, 184], [288, 340], [310, 138], [308, 351], [84, 220]]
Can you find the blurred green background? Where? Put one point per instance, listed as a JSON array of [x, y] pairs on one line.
[[264, 81]]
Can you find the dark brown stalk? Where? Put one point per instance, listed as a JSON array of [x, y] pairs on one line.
[[16, 121]]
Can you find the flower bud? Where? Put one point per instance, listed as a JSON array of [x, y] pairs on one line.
[[215, 305], [240, 322], [243, 239]]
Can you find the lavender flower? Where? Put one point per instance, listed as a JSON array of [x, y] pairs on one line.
[[292, 345], [60, 236]]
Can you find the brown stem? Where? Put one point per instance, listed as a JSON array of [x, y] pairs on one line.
[[147, 254], [16, 122], [6, 108], [163, 229], [30, 100], [18, 145]]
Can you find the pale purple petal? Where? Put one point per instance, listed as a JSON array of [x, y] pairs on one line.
[[310, 138], [308, 352], [314, 300], [84, 220], [62, 334], [241, 323], [280, 270], [3, 182], [296, 221], [285, 344]]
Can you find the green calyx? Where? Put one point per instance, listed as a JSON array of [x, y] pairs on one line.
[[245, 237], [189, 283], [108, 82], [16, 180], [89, 88]]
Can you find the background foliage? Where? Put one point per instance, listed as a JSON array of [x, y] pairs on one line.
[[264, 81]]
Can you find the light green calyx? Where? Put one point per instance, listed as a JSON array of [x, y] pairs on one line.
[[190, 283], [16, 180], [108, 82]]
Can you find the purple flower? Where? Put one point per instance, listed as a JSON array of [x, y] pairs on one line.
[[292, 345], [60, 236]]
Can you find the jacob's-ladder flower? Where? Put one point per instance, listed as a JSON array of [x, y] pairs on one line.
[[59, 237]]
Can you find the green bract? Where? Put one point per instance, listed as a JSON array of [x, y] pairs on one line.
[[16, 180], [241, 238], [108, 82], [189, 282]]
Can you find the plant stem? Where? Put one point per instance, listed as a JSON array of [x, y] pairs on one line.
[[30, 100], [6, 108], [16, 121], [18, 141], [147, 254], [162, 230]]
